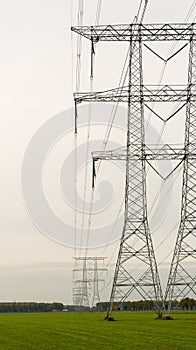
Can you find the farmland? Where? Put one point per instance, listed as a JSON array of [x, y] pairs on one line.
[[132, 330]]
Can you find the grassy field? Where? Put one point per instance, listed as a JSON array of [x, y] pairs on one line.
[[132, 330]]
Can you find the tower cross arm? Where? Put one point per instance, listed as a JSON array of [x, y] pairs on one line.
[[146, 152], [137, 31], [149, 93], [112, 95]]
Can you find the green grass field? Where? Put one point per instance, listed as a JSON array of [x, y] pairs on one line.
[[132, 330]]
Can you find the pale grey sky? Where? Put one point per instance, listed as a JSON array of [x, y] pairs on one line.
[[36, 83]]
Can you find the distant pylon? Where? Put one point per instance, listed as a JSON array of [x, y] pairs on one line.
[[86, 280]]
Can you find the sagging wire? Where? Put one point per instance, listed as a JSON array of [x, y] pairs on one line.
[[98, 15], [86, 172], [188, 15], [78, 73], [79, 44], [98, 12], [75, 145], [89, 221], [97, 19]]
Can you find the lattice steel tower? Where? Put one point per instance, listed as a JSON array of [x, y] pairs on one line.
[[87, 278], [136, 242]]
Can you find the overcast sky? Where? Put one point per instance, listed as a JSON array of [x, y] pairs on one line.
[[37, 70]]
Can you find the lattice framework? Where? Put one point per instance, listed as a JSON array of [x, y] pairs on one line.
[[181, 281]]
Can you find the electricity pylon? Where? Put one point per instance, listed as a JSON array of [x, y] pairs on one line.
[[86, 280], [80, 289], [136, 242]]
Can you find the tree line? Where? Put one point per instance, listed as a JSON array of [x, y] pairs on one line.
[[146, 305], [140, 305], [30, 307]]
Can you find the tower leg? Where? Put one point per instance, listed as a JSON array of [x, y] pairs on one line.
[[182, 278]]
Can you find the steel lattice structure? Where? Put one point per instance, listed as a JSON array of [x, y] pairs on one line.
[[166, 93], [86, 279], [148, 32], [136, 242]]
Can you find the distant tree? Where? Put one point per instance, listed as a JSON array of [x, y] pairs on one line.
[[57, 306], [187, 303]]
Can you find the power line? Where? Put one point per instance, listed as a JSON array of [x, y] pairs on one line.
[[78, 71], [98, 12]]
